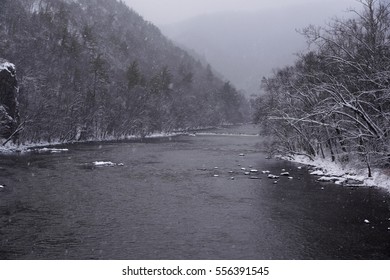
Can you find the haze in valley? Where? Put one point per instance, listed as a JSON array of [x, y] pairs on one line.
[[243, 41]]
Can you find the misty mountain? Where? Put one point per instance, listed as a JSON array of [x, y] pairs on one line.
[[245, 46], [95, 68]]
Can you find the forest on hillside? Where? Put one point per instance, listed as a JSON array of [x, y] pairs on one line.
[[92, 69], [334, 102]]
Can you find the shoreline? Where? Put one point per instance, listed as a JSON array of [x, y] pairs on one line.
[[348, 175], [11, 149]]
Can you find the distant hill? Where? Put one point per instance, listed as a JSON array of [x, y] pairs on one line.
[[95, 68], [245, 46]]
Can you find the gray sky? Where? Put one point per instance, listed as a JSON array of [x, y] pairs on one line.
[[162, 12]]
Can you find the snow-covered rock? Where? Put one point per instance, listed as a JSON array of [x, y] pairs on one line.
[[271, 176], [341, 181], [266, 172], [337, 180], [353, 182], [103, 163], [318, 173], [328, 179], [285, 174], [7, 66]]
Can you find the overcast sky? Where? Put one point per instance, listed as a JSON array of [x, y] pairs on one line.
[[162, 12]]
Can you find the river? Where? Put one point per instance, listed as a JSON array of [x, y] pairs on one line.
[[166, 202]]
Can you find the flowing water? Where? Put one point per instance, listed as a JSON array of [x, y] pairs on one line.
[[166, 202]]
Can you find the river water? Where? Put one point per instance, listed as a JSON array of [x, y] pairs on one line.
[[165, 202]]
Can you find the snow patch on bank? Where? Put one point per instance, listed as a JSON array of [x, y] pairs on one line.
[[226, 134], [42, 146], [51, 150], [335, 172]]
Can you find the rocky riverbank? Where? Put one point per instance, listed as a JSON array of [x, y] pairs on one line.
[[349, 175]]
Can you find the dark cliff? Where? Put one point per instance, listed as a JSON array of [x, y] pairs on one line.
[[9, 113]]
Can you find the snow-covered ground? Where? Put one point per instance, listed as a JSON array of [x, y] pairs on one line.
[[331, 171]]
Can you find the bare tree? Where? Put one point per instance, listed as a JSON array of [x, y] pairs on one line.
[[335, 100]]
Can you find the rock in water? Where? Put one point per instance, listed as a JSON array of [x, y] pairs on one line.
[[271, 176], [9, 107], [103, 163]]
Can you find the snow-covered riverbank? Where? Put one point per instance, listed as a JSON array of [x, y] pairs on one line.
[[44, 146], [241, 130], [348, 175]]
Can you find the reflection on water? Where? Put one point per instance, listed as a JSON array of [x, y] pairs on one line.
[[165, 203]]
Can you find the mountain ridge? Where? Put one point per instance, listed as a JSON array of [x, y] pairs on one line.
[[93, 68]]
